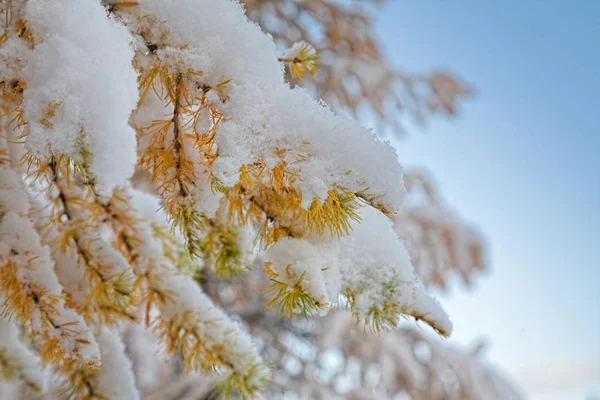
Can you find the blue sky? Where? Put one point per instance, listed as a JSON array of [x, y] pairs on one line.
[[521, 162]]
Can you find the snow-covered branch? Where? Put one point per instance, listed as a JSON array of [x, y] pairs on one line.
[[238, 164]]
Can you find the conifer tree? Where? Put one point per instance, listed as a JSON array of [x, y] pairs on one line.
[[192, 95]]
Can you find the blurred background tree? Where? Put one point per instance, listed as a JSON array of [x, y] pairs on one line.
[[353, 76]]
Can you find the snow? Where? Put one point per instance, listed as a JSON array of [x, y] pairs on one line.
[[10, 64], [371, 261], [143, 349], [221, 334], [20, 245], [113, 263], [148, 206], [20, 242], [298, 49], [13, 196], [240, 350], [19, 356], [10, 390], [82, 70], [115, 377], [264, 116]]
